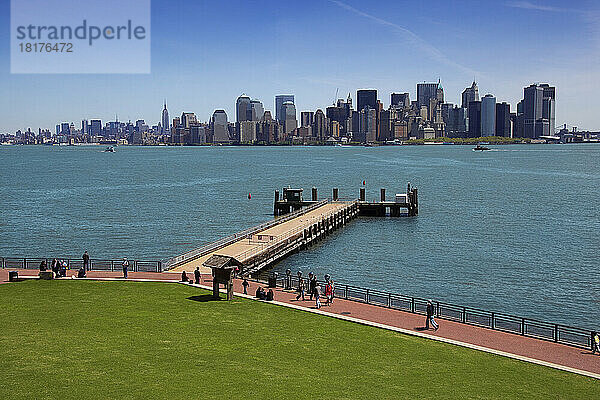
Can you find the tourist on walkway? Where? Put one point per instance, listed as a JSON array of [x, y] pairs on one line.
[[596, 343], [300, 287], [197, 276], [312, 283], [270, 295], [81, 273], [245, 284], [125, 267], [86, 260], [430, 316], [54, 267], [63, 268], [184, 277], [328, 292], [43, 266], [317, 293]]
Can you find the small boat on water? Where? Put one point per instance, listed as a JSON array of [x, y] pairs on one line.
[[110, 149], [480, 148]]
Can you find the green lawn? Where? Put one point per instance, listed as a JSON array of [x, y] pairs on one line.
[[116, 340]]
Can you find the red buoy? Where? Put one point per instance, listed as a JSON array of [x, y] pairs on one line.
[[364, 183], [249, 196]]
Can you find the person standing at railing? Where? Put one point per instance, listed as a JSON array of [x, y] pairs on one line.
[[430, 316], [301, 286], [125, 267], [197, 276], [595, 343], [312, 283], [86, 260]]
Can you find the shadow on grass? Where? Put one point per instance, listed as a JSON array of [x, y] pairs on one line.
[[203, 298]]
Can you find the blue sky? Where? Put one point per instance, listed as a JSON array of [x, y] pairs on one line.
[[206, 53]]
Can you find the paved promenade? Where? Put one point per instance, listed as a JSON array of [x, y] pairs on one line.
[[452, 332]]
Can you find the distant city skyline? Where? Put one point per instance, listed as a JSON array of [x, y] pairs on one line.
[[315, 49]]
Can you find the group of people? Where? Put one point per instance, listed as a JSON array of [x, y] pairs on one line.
[[315, 289], [59, 267], [261, 294]]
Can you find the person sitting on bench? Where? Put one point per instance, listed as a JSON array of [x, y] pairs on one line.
[[81, 273], [270, 295], [260, 293], [184, 277]]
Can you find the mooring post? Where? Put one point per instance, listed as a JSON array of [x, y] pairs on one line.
[[362, 194], [382, 194], [275, 210], [314, 194], [335, 194]]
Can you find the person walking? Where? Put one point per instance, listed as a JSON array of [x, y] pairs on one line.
[[430, 316], [312, 283], [54, 267], [245, 284], [197, 276], [125, 267], [301, 285], [596, 343], [86, 260], [328, 292], [317, 293]]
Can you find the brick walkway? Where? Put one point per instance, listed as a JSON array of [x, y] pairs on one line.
[[541, 350]]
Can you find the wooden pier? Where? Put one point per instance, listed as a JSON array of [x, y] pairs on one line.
[[298, 224]]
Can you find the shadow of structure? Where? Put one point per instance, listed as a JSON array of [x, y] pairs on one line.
[[203, 298]]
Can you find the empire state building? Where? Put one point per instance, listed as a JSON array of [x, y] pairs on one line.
[[165, 121]]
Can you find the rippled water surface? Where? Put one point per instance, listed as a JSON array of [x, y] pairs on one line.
[[513, 230]]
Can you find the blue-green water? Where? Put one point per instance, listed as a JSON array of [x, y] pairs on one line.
[[514, 230]]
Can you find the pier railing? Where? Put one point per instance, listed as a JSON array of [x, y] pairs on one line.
[[563, 334], [277, 240], [208, 248], [94, 264]]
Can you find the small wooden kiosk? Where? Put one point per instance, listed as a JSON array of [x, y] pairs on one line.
[[222, 271]]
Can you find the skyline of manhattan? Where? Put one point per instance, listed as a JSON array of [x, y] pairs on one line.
[[314, 49]]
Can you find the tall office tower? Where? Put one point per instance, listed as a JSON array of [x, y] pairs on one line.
[[279, 100], [307, 118], [320, 125], [219, 124], [385, 131], [400, 99], [187, 119], [538, 110], [366, 97], [243, 109], [470, 94], [248, 131], [257, 110], [368, 125], [548, 107], [95, 127], [427, 91], [84, 126], [65, 128], [166, 127], [339, 114], [474, 112], [488, 115], [290, 123], [197, 134], [503, 119]]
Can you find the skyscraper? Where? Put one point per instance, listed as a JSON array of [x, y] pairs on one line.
[[320, 125], [220, 132], [366, 97], [503, 119], [279, 100], [400, 99], [166, 123], [474, 112], [488, 115], [306, 118], [470, 94], [243, 109], [539, 110], [290, 123], [427, 91], [257, 110]]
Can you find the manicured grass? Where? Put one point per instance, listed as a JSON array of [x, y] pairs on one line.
[[119, 340]]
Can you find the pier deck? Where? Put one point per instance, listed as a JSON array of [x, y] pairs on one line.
[[274, 242]]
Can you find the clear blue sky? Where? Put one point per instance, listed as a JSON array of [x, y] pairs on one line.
[[206, 53]]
